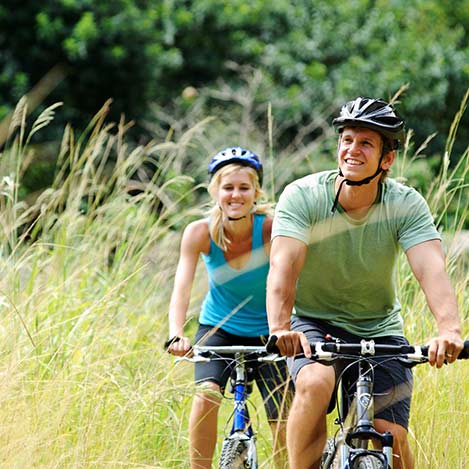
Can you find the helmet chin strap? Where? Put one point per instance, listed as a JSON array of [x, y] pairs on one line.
[[362, 182], [253, 210]]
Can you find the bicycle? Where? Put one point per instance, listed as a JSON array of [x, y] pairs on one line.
[[239, 447], [349, 448]]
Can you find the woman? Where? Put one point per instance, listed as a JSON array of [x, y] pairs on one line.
[[234, 243]]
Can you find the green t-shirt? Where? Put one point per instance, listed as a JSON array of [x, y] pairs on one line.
[[348, 276]]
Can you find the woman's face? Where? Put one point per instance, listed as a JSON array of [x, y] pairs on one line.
[[236, 193]]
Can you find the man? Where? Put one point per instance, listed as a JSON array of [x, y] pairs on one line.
[[336, 237]]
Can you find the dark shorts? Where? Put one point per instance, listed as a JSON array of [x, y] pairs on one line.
[[393, 381], [272, 379]]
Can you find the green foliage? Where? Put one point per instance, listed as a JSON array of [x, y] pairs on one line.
[[169, 64], [312, 55], [315, 55], [119, 49]]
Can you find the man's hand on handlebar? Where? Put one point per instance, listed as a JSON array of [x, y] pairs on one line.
[[291, 343], [444, 349]]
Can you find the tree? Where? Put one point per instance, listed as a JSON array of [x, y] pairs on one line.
[[116, 49], [308, 57]]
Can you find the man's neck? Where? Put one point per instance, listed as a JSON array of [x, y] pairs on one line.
[[357, 200]]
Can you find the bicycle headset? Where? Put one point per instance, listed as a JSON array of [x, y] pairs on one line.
[[236, 155], [374, 114]]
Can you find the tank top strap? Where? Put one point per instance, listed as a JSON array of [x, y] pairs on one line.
[[257, 238], [216, 254]]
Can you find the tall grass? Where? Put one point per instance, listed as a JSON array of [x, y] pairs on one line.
[[86, 277], [85, 272], [440, 400]]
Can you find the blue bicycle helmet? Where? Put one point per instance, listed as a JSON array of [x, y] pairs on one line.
[[374, 114], [235, 155]]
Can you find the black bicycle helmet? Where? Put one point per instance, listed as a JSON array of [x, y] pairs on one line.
[[235, 155], [374, 114]]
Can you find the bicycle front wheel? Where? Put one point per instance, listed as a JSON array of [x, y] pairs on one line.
[[237, 454], [368, 462]]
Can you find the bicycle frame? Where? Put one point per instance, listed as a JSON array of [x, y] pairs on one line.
[[241, 420], [357, 429], [242, 433]]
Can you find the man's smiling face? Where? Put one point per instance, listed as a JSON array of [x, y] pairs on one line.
[[359, 153]]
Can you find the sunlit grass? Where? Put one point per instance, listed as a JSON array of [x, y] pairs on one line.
[[86, 276]]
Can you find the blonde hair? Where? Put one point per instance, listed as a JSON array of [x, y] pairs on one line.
[[217, 217]]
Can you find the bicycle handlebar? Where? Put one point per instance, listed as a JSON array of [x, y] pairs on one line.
[[206, 353], [327, 351], [231, 349]]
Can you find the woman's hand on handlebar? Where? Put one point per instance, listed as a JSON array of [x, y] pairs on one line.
[[180, 347], [291, 343]]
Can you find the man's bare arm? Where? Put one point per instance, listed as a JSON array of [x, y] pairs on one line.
[[428, 265], [287, 257]]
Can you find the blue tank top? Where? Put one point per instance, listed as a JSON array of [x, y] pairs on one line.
[[235, 301]]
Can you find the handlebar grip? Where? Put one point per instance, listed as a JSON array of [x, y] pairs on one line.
[[271, 346], [464, 355], [171, 341]]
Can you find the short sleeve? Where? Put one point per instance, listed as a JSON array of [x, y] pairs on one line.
[[417, 225], [292, 218]]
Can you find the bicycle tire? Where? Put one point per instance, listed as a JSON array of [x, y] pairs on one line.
[[368, 462], [235, 454]]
